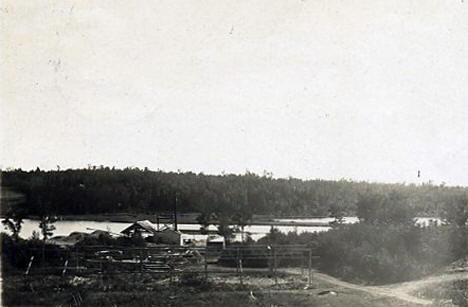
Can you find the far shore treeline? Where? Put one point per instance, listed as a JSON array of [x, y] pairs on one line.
[[97, 190]]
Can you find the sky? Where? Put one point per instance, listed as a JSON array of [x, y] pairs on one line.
[[363, 90]]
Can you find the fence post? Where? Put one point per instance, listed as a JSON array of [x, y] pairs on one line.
[[239, 266], [275, 266], [237, 261], [100, 266], [302, 264], [29, 266], [270, 259], [141, 261], [171, 275], [240, 269], [206, 266], [310, 269], [76, 262], [65, 267]]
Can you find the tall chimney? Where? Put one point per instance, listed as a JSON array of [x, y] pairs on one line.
[[175, 212]]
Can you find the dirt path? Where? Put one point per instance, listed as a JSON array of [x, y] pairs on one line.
[[402, 291]]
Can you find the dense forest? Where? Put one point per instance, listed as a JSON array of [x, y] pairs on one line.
[[104, 190]]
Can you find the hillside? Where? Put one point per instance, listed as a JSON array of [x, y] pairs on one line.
[[105, 190]]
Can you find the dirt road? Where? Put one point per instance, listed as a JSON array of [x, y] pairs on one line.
[[402, 291]]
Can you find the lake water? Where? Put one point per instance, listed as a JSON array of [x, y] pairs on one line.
[[320, 220], [64, 228]]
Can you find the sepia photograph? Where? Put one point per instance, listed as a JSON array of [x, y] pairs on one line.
[[275, 153]]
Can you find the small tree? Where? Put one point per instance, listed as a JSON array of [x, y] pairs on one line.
[[204, 220], [243, 214], [336, 212], [35, 236], [224, 229], [455, 215], [13, 221], [384, 209], [456, 211], [47, 227], [47, 230], [367, 207]]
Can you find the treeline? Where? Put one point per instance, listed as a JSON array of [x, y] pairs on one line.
[[104, 190]]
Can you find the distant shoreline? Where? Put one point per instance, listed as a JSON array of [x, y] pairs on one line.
[[191, 218], [181, 219]]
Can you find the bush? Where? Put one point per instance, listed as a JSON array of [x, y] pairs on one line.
[[382, 254], [16, 254], [366, 252]]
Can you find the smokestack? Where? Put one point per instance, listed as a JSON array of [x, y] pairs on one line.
[[175, 212]]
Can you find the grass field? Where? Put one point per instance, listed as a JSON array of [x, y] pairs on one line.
[[451, 293], [145, 290]]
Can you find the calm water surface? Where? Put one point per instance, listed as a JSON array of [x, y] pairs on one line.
[[64, 228]]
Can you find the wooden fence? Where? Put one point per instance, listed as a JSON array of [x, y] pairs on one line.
[[172, 261]]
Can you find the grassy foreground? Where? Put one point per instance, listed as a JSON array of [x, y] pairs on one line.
[[453, 293], [144, 290]]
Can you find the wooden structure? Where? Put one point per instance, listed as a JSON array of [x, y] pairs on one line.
[[144, 228]]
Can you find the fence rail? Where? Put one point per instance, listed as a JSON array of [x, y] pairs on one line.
[[172, 261]]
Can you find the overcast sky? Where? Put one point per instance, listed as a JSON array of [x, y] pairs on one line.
[[364, 90]]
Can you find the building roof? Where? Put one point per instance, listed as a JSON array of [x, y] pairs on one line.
[[215, 239], [167, 229], [149, 227], [146, 225]]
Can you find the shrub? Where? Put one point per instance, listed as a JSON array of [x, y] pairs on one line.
[[16, 254], [382, 254]]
